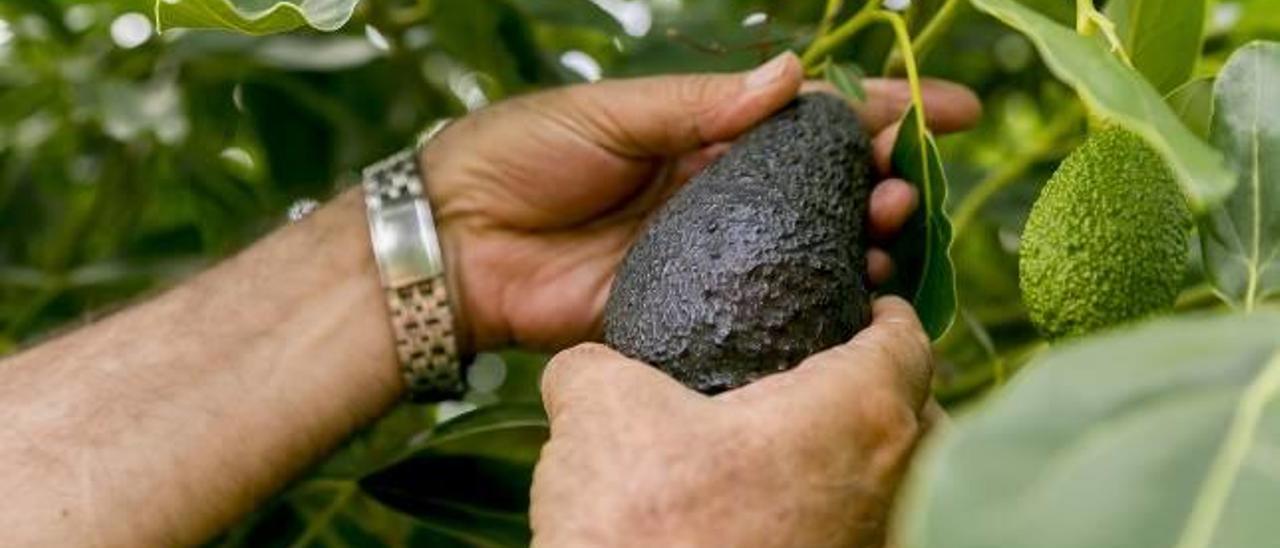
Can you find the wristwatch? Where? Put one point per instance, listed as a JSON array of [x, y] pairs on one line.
[[407, 250]]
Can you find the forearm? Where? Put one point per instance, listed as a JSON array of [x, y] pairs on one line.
[[161, 424]]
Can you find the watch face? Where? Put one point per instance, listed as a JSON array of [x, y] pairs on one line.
[[403, 243]]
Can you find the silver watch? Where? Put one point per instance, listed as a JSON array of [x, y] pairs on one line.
[[410, 261]]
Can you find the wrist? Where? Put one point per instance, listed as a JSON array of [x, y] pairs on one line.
[[479, 321]]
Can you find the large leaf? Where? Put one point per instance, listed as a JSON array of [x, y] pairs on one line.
[[495, 39], [1242, 237], [1058, 10], [471, 476], [571, 13], [1163, 37], [464, 483], [1162, 436], [1117, 93], [253, 16], [378, 444], [1193, 103], [923, 251], [847, 78]]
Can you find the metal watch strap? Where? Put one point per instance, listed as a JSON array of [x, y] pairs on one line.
[[411, 264]]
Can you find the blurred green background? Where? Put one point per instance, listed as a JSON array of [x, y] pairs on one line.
[[130, 160]]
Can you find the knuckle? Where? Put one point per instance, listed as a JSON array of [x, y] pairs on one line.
[[874, 343], [697, 97], [581, 352], [914, 355], [913, 343], [571, 366], [888, 421], [902, 342], [559, 368], [694, 90]]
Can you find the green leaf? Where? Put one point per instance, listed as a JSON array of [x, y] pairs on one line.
[[1058, 10], [495, 39], [922, 252], [847, 78], [327, 53], [511, 430], [1241, 238], [1118, 94], [1162, 37], [1166, 435], [378, 444], [1193, 103], [338, 514], [471, 476], [569, 13], [253, 16]]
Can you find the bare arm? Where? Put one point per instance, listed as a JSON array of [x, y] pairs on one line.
[[162, 423]]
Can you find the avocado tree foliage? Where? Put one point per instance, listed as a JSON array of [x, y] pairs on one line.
[[128, 159]]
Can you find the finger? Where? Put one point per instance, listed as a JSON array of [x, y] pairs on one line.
[[892, 203], [694, 162], [889, 362], [882, 148], [593, 377], [679, 172], [666, 115], [948, 106], [879, 266]]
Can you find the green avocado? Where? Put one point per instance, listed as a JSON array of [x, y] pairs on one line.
[[759, 261], [1106, 242]]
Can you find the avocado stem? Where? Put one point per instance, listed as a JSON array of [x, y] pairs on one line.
[[929, 36], [903, 37], [827, 41], [1089, 20], [829, 16]]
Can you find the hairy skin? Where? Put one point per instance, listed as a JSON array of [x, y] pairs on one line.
[[161, 424], [164, 423]]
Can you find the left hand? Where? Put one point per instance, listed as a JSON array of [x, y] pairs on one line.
[[807, 457], [538, 198]]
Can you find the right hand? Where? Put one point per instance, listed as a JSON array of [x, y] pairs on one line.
[[807, 457], [539, 197]]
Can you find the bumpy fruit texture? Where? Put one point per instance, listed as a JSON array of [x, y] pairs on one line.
[[759, 261], [1106, 242]]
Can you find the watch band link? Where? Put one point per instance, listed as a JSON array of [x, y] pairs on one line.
[[422, 324], [410, 260]]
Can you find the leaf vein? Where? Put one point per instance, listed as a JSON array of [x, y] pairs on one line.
[[1214, 493]]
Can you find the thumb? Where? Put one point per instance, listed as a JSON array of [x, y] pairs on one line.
[[595, 379], [888, 362], [668, 115]]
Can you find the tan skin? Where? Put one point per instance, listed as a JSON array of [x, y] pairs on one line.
[[811, 457], [164, 423]]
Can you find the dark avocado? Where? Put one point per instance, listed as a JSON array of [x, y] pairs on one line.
[[759, 261]]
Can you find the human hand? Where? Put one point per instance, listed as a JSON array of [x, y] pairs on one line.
[[538, 198], [807, 457]]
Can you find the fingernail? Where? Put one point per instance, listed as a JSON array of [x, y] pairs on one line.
[[767, 73]]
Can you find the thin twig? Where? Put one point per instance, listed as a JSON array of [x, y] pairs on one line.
[[829, 16], [931, 34], [824, 43]]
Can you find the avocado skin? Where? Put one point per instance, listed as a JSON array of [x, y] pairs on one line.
[[1106, 241], [759, 261]]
